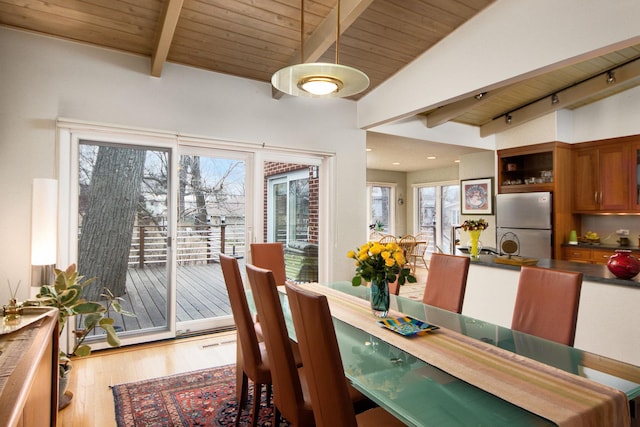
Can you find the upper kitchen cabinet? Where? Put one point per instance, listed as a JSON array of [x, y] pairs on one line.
[[539, 167], [604, 179], [634, 181]]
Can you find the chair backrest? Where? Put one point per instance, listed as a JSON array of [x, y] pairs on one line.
[[422, 242], [394, 288], [407, 243], [271, 257], [287, 391], [321, 358], [375, 235], [388, 238], [446, 281], [547, 303], [241, 315]]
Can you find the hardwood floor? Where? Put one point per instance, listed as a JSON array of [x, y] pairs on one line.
[[92, 376]]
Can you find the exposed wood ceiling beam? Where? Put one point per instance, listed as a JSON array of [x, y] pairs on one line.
[[325, 34], [168, 23], [451, 111], [627, 73]]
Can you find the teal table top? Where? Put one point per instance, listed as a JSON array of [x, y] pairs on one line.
[[422, 395]]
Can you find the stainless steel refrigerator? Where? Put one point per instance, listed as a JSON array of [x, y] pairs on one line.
[[529, 217]]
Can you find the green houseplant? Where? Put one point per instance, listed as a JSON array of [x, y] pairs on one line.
[[66, 294]]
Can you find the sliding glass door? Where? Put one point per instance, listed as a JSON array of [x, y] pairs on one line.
[[123, 230], [212, 212], [149, 215]]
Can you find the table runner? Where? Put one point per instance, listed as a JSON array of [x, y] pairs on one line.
[[559, 396]]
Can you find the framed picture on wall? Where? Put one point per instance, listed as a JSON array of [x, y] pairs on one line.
[[477, 196]]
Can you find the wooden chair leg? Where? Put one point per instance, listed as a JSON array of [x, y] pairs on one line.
[[257, 397], [243, 394], [276, 417]]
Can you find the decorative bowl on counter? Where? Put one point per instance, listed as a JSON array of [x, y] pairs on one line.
[[623, 265], [589, 241]]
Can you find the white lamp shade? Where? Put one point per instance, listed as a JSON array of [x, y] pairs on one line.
[[288, 79], [44, 221]]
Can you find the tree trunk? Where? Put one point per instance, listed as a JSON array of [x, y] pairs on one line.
[[107, 226]]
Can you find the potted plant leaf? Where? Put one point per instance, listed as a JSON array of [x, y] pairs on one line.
[[66, 294]]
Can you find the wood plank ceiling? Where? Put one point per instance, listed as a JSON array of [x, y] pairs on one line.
[[255, 38]]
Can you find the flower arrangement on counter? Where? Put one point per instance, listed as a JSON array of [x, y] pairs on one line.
[[472, 225], [380, 261]]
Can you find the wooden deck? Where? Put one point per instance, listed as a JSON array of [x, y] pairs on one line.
[[201, 294], [201, 291]]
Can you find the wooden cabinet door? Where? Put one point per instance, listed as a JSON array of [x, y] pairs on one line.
[[634, 177], [614, 178], [585, 180], [577, 254]]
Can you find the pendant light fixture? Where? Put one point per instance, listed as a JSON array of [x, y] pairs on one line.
[[320, 79]]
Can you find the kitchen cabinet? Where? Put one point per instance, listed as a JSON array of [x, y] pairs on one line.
[[634, 176], [601, 177], [527, 169], [591, 255]]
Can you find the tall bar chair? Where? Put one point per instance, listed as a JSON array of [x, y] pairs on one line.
[[252, 362], [325, 371], [547, 303], [446, 281]]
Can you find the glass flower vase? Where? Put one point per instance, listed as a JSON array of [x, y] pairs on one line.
[[380, 298], [474, 251]]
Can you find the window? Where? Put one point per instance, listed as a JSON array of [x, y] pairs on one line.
[[438, 209], [381, 207]]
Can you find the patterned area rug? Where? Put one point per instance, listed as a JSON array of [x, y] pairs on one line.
[[200, 398]]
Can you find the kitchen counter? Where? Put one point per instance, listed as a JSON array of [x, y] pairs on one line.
[[605, 318], [592, 272], [612, 246]]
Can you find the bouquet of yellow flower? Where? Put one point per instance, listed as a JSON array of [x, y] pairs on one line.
[[471, 225], [380, 261]]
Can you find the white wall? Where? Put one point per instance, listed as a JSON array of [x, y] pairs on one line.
[[480, 165], [42, 79]]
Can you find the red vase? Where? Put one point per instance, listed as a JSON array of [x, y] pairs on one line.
[[623, 265]]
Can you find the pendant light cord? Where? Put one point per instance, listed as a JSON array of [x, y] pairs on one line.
[[302, 31], [338, 35]]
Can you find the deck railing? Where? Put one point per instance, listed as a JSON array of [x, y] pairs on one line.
[[195, 244]]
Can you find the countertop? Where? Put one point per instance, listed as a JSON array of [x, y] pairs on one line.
[[591, 272], [611, 246]]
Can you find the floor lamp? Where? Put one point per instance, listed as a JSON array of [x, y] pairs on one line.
[[44, 230]]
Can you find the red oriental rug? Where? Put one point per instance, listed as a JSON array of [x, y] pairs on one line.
[[200, 398]]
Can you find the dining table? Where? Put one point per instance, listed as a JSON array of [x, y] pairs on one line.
[[467, 372]]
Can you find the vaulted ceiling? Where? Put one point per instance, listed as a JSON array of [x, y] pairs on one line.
[[255, 38]]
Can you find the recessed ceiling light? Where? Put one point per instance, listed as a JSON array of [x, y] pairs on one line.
[[431, 158], [369, 149], [456, 161], [395, 163]]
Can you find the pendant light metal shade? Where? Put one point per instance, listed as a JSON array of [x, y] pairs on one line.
[[311, 80], [320, 79]]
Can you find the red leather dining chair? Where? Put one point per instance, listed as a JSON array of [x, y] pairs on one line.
[[290, 391], [271, 257], [547, 303], [321, 357], [251, 357], [446, 281]]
